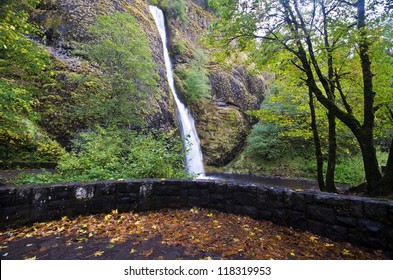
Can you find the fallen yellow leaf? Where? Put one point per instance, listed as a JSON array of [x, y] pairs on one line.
[[314, 239], [98, 253], [346, 252], [133, 251]]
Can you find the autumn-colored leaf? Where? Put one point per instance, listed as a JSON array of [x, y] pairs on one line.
[[98, 253], [147, 253], [346, 252], [314, 239], [133, 251], [32, 258], [229, 253]]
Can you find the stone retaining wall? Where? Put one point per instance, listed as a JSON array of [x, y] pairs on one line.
[[364, 221]]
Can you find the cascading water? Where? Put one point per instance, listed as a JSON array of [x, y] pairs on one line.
[[187, 126]]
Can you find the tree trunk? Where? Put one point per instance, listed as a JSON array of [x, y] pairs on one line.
[[386, 183], [331, 166], [317, 143], [371, 166], [370, 161]]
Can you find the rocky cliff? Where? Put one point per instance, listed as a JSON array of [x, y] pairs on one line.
[[221, 121]]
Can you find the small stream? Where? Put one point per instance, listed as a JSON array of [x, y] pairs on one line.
[[297, 184]]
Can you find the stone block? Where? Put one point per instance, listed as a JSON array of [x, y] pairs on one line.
[[196, 201], [106, 189], [376, 210], [322, 214], [349, 208], [217, 198], [262, 198], [166, 190], [15, 215], [202, 194], [338, 233], [296, 219], [6, 198], [245, 198], [60, 204], [127, 198], [22, 196], [296, 201], [40, 197], [250, 211], [61, 193], [346, 221], [264, 214], [316, 227], [370, 226], [279, 216]]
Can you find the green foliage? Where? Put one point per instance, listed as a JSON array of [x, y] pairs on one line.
[[350, 170], [18, 54], [195, 77], [20, 137], [176, 9], [265, 142], [22, 69], [123, 53], [179, 47], [106, 154]]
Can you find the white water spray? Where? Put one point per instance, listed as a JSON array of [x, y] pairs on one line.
[[187, 126]]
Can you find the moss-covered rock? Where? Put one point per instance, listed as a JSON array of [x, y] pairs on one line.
[[65, 24], [221, 130]]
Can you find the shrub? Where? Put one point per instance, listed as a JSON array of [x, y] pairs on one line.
[[176, 9], [265, 143], [117, 154]]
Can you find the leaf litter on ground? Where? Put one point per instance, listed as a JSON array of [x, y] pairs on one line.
[[210, 232]]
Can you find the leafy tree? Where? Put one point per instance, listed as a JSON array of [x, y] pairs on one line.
[[323, 38], [123, 54]]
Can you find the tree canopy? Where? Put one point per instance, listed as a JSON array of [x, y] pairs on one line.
[[340, 50]]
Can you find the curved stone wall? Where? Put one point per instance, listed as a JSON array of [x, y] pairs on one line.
[[364, 221]]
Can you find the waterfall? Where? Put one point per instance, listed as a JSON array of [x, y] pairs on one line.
[[187, 126]]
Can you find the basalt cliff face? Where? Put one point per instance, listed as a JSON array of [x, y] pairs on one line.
[[221, 120]]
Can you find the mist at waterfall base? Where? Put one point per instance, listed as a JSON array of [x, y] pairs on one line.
[[186, 121]]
